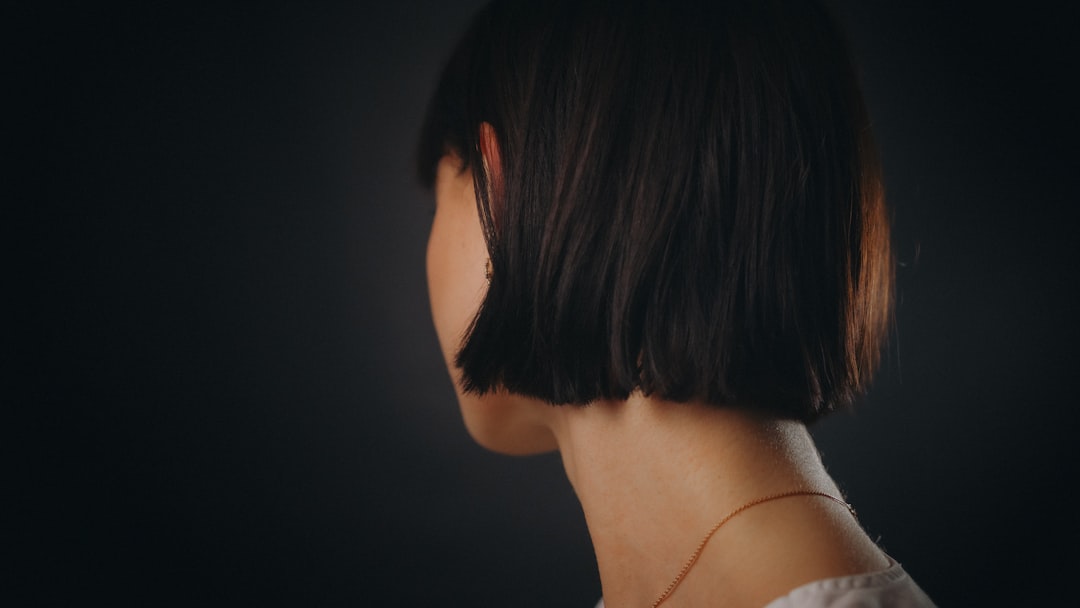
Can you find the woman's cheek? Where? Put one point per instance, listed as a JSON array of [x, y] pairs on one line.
[[456, 256]]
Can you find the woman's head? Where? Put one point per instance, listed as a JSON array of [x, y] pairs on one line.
[[680, 198]]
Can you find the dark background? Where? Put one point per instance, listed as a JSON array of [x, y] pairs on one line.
[[225, 387]]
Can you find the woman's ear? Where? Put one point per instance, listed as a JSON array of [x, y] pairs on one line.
[[489, 149]]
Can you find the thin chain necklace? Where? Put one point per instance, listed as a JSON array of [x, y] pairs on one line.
[[697, 552]]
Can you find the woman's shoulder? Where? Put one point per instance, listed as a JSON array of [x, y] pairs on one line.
[[889, 588]]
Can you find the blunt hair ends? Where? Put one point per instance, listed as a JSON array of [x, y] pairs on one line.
[[690, 203]]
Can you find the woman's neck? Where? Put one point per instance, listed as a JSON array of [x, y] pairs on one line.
[[653, 477]]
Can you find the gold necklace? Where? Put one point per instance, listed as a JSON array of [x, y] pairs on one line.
[[697, 552]]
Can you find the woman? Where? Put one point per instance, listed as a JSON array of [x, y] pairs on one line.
[[660, 247]]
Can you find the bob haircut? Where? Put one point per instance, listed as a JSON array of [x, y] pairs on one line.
[[690, 203]]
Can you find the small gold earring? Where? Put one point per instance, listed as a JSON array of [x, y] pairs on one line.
[[487, 270]]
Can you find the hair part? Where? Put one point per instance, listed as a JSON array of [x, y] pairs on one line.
[[690, 203]]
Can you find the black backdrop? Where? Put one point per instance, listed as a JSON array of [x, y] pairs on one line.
[[224, 387]]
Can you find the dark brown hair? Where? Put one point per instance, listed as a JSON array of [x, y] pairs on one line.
[[690, 203]]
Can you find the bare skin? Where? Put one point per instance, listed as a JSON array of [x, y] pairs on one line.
[[653, 477]]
